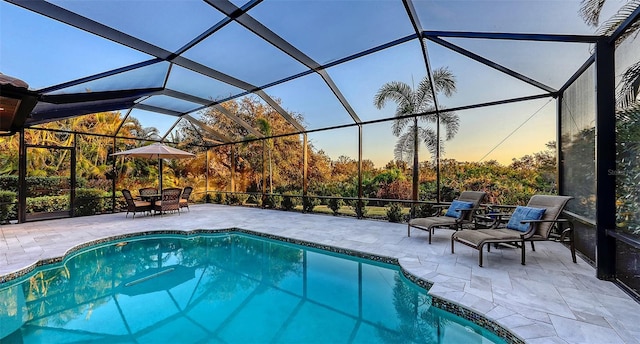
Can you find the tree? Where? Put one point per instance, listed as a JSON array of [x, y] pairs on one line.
[[284, 151], [590, 10], [627, 115], [265, 128], [9, 148], [413, 102]]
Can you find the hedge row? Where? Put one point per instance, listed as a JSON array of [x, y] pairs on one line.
[[7, 205], [40, 186], [88, 202]]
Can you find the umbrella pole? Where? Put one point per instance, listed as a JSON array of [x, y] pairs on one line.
[[160, 174]]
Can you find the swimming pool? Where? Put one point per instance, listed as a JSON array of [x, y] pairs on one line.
[[222, 287]]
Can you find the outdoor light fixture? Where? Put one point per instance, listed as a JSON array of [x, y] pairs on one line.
[[16, 103]]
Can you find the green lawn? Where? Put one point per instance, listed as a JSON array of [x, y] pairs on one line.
[[375, 212]]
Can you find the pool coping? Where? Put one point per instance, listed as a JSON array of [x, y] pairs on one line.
[[436, 301]]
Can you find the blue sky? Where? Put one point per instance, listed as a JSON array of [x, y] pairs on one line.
[[44, 53]]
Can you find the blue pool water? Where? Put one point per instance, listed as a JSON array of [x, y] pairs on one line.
[[222, 288]]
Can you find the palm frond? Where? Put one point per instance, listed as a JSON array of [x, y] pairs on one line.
[[403, 150], [628, 88], [448, 120], [451, 123], [433, 150], [423, 94], [396, 91], [629, 114], [430, 118], [399, 125], [404, 110], [445, 81], [590, 11], [421, 100], [632, 29], [611, 24], [430, 138]]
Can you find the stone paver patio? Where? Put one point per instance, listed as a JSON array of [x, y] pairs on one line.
[[550, 300]]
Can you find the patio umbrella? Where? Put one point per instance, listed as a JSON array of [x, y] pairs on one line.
[[156, 151]]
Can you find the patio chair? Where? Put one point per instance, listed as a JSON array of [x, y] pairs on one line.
[[184, 198], [135, 205], [147, 192], [531, 223], [459, 212], [170, 201]]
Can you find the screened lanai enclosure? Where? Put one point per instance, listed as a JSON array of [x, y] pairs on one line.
[[387, 106]]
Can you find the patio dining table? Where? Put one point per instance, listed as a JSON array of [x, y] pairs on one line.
[[151, 198]]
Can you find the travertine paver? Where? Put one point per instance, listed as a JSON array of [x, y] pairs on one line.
[[550, 300]]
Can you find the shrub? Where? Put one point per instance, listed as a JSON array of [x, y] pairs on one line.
[[394, 212], [254, 199], [289, 202], [219, 198], [424, 210], [242, 198], [308, 203], [43, 186], [102, 184], [397, 189], [197, 197], [335, 203], [236, 199], [88, 202], [40, 186], [7, 206], [359, 207], [47, 204], [272, 201], [9, 183], [121, 203]]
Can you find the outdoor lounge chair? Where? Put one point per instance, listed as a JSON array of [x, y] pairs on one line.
[[458, 213], [184, 198], [170, 201], [135, 205], [531, 223]]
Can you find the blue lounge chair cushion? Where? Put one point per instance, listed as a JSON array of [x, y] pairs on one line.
[[524, 213], [456, 206]]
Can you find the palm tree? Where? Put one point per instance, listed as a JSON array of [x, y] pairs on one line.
[[412, 102], [627, 115], [590, 10]]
